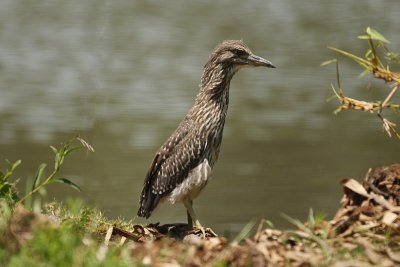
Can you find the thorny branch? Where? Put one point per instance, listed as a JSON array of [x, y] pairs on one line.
[[373, 65]]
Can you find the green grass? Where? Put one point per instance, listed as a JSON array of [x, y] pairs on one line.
[[68, 235], [62, 246]]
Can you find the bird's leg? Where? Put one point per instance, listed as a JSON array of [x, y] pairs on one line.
[[189, 218], [192, 216]]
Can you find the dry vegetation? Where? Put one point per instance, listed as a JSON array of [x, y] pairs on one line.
[[380, 69], [364, 232]]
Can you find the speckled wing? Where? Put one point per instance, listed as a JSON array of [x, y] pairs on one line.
[[182, 152]]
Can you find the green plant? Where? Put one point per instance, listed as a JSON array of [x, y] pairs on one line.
[[315, 220], [8, 189], [41, 180], [373, 63]]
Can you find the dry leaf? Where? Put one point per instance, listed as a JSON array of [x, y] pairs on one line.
[[356, 187], [389, 217]]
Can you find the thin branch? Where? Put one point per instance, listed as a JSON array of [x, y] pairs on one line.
[[373, 65]]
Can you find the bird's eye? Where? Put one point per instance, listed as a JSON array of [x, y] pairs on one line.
[[240, 52]]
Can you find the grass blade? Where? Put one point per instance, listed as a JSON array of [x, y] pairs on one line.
[[245, 232], [39, 175], [359, 60], [375, 35], [68, 182], [328, 62]]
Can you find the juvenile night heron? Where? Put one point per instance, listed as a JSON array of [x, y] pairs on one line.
[[183, 165]]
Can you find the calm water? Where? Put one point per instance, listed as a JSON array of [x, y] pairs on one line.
[[122, 74]]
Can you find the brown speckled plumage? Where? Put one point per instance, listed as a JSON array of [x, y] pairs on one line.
[[197, 139]]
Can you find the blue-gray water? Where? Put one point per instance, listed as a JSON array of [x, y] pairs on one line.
[[122, 74]]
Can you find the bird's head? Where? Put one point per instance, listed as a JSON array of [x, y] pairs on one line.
[[225, 60], [235, 54]]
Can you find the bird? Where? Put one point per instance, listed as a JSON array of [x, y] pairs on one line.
[[183, 165]]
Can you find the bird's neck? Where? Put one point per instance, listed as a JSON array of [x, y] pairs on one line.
[[213, 97], [215, 84]]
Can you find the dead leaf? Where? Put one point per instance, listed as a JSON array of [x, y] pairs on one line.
[[355, 186], [389, 217]]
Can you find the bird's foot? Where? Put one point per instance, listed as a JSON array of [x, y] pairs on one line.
[[201, 228], [204, 232], [211, 232]]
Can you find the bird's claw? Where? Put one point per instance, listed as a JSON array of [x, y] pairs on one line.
[[204, 232]]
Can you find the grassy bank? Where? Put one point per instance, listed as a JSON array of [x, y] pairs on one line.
[[364, 232]]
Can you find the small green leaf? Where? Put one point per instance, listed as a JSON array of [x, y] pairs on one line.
[[9, 172], [61, 159], [359, 60], [15, 165], [392, 56], [38, 177], [328, 62], [375, 35], [57, 161], [364, 37], [365, 72], [68, 182], [368, 54]]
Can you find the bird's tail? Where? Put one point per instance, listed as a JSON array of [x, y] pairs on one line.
[[142, 212], [148, 202]]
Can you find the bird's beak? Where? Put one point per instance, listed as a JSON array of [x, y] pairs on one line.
[[259, 61]]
